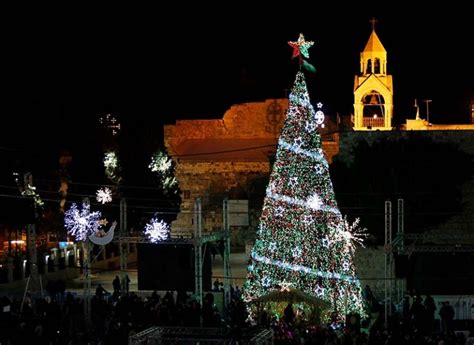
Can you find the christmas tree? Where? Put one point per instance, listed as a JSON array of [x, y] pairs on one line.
[[303, 242]]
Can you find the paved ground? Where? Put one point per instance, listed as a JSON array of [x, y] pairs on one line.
[[238, 271], [238, 263]]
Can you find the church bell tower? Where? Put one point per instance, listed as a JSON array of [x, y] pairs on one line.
[[373, 88]]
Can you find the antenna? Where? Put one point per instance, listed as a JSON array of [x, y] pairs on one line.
[[427, 101]]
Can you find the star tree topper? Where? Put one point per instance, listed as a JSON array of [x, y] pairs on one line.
[[300, 48]]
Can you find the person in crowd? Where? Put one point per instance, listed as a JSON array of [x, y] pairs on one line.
[[116, 284]]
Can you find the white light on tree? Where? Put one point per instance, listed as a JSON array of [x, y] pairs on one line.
[[157, 230], [82, 223], [104, 195], [314, 202]]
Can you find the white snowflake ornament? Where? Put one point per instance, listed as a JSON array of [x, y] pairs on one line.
[[104, 195], [82, 223], [157, 230]]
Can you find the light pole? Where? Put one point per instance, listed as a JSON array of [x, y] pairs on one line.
[[427, 101]]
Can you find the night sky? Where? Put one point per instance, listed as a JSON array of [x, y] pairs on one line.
[[62, 71]]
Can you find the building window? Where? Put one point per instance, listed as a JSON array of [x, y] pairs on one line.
[[187, 194], [377, 66], [369, 66]]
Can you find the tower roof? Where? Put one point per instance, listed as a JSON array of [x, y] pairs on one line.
[[374, 44]]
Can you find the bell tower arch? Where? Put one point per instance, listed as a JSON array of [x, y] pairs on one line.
[[373, 88]]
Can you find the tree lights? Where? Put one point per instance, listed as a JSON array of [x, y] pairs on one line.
[[303, 241]]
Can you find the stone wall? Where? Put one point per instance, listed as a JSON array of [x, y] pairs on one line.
[[212, 182], [243, 176], [235, 177], [370, 268], [255, 120]]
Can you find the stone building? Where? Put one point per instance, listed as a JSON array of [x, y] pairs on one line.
[[229, 157]]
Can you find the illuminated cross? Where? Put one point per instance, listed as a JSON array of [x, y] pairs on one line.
[[373, 21]]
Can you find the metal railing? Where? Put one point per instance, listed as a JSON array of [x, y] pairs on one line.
[[195, 335]]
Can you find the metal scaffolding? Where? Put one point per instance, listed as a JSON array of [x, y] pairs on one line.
[[199, 241], [388, 261], [87, 277], [398, 245], [123, 247]]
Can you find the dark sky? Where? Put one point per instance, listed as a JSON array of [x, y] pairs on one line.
[[63, 70]]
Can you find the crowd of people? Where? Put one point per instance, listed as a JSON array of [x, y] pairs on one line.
[[59, 319], [114, 316], [413, 323]]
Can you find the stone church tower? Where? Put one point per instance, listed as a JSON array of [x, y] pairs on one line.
[[373, 89]]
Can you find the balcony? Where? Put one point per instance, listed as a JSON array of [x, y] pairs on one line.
[[373, 122]]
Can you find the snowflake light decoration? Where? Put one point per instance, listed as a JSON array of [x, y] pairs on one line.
[[314, 202], [110, 161], [163, 166], [350, 234], [157, 230], [104, 195], [82, 223], [111, 164], [160, 163]]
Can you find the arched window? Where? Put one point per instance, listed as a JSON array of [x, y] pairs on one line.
[[369, 66], [377, 66]]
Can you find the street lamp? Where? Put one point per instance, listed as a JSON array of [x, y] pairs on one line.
[[427, 101]]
